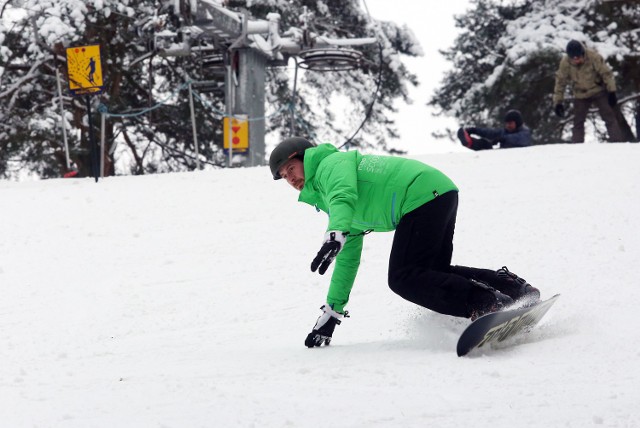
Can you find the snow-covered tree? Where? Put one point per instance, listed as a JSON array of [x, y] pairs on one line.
[[469, 91], [508, 53], [35, 48], [35, 33]]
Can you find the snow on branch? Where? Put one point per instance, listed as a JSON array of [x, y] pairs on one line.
[[14, 89]]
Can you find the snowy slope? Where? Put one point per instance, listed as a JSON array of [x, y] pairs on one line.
[[183, 300]]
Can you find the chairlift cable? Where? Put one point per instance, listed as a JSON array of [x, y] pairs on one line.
[[373, 100], [377, 91]]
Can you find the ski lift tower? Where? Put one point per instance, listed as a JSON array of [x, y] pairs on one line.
[[244, 48]]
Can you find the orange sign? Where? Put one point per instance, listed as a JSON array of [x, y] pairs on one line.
[[239, 133]]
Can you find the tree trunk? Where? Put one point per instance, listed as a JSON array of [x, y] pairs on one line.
[[627, 133], [637, 120]]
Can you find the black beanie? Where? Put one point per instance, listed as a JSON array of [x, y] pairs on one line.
[[515, 116], [575, 49]]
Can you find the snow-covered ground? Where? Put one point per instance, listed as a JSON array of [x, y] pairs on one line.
[[183, 300]]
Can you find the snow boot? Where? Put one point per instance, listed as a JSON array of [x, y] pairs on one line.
[[465, 138], [484, 299], [519, 289]]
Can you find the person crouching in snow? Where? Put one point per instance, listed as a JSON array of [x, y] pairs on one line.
[[371, 193], [514, 134]]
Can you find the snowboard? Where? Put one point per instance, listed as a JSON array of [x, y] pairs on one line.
[[498, 326]]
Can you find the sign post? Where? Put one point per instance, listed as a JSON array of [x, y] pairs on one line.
[[84, 68]]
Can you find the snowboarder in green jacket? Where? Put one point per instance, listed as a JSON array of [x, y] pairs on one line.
[[371, 193]]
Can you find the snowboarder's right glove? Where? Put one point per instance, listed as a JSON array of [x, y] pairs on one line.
[[323, 330], [333, 243], [559, 110]]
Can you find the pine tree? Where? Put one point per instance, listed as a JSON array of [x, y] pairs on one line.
[[161, 140], [154, 142], [616, 24], [507, 56]]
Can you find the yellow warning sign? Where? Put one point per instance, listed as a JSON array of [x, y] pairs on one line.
[[239, 133], [85, 70]]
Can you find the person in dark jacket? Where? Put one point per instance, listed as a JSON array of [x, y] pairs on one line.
[[514, 134], [364, 193]]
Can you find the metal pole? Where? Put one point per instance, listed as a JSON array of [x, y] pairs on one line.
[[93, 150], [292, 106], [102, 144], [62, 121], [230, 107], [193, 126]]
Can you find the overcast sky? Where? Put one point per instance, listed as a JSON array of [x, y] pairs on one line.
[[433, 26]]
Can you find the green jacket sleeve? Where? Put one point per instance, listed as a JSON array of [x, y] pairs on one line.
[[344, 273]]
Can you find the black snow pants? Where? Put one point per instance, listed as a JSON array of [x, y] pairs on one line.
[[420, 262]]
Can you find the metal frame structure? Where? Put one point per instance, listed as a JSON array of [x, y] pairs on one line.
[[245, 48]]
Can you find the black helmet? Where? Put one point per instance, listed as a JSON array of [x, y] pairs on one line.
[[293, 147], [515, 116], [575, 49]]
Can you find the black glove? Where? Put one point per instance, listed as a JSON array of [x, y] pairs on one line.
[[559, 110], [613, 99], [323, 330], [333, 243]]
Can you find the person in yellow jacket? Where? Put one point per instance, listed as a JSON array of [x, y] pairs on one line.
[[371, 193], [593, 83]]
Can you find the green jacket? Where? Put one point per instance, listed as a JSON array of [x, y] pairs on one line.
[[364, 193], [587, 79]]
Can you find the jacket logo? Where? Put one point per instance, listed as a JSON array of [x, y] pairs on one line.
[[372, 164]]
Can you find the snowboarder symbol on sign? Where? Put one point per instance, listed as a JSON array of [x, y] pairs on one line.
[[84, 69]]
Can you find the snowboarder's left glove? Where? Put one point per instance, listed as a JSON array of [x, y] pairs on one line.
[[613, 99], [333, 243], [323, 330]]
